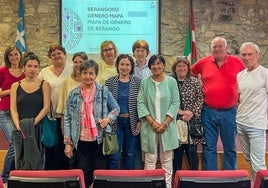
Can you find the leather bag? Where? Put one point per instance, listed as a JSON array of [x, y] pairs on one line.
[[49, 137], [110, 143], [109, 139], [196, 129]]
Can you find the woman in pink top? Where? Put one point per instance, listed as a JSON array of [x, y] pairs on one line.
[[10, 73]]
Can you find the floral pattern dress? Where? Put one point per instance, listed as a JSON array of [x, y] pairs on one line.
[[192, 98]]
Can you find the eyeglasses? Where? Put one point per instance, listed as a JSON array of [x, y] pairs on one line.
[[107, 50], [181, 57]]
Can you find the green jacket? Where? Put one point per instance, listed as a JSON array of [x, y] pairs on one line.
[[169, 106]]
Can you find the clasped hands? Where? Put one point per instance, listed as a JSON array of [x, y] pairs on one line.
[[157, 127]]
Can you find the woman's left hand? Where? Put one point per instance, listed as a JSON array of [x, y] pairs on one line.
[[68, 150], [104, 122], [187, 115], [138, 128]]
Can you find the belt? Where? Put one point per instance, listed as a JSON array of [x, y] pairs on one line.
[[218, 109], [125, 115]]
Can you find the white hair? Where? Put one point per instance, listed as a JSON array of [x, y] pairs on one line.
[[255, 46], [219, 38]]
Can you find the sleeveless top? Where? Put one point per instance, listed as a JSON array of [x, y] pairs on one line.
[[29, 104]]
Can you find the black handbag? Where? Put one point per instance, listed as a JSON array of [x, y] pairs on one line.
[[109, 139], [196, 129]]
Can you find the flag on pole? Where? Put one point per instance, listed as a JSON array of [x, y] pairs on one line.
[[20, 39], [190, 43]]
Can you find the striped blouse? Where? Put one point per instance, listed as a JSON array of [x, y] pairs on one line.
[[112, 84]]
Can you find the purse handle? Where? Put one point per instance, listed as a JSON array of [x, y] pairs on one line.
[[110, 128], [102, 101], [102, 106], [181, 103]]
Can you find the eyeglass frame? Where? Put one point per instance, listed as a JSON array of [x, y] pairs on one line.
[[107, 50]]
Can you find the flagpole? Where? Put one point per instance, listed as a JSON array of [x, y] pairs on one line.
[[21, 37], [190, 43], [193, 41]]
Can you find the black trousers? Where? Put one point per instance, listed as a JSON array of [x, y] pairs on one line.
[[55, 157], [192, 157], [90, 157]]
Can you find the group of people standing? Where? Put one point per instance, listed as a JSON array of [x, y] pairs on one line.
[[235, 102], [138, 100]]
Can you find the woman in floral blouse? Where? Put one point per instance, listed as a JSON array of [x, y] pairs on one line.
[[191, 98]]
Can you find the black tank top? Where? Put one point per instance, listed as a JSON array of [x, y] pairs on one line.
[[29, 104]]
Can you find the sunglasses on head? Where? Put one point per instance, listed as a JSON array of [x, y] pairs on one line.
[[181, 57]]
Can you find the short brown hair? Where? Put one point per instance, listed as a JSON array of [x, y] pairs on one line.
[[141, 44], [55, 47], [181, 60]]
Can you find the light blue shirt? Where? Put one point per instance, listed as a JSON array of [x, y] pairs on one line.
[[142, 72]]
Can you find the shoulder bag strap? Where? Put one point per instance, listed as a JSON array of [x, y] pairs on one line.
[[102, 107]]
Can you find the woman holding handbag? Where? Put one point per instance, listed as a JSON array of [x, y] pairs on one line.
[[191, 101], [55, 74], [90, 109], [64, 89]]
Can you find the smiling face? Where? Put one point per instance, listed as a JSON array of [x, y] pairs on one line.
[[77, 63], [157, 67], [181, 70], [108, 53], [14, 58], [219, 48], [88, 77], [58, 57], [250, 57], [124, 67]]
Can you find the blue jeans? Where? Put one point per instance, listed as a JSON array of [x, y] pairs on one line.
[[253, 143], [219, 122], [7, 126], [138, 153], [126, 142]]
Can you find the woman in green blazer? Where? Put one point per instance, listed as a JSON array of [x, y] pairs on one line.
[[158, 104]]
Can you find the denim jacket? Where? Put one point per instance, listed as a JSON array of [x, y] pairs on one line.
[[72, 117]]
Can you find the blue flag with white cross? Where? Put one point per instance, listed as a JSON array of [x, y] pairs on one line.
[[21, 37]]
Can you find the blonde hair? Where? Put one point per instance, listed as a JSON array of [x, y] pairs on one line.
[[106, 43]]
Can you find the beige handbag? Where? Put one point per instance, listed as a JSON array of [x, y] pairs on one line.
[[182, 131]]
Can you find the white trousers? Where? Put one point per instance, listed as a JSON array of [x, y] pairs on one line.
[[166, 158]]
